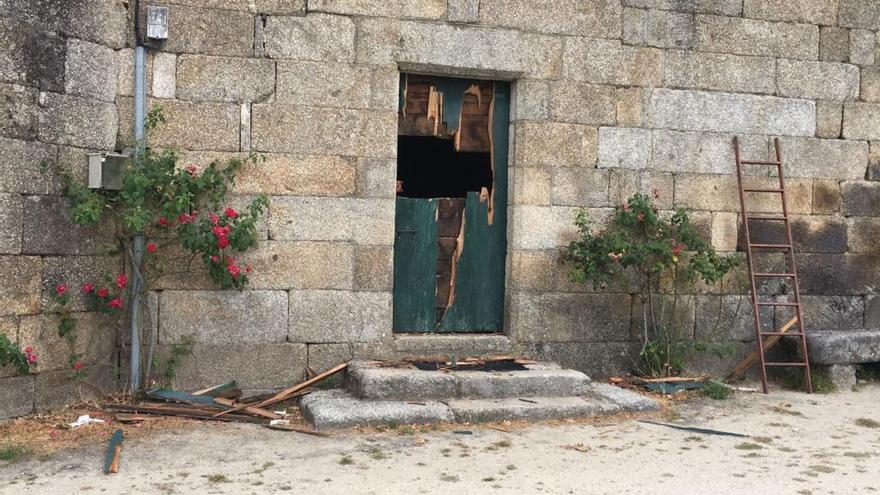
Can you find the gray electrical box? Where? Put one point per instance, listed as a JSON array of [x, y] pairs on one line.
[[157, 22], [106, 170]]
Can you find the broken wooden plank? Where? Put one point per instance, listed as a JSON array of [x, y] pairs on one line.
[[184, 397], [256, 411], [298, 430], [114, 450], [754, 356], [134, 418], [228, 390], [290, 392], [182, 411]]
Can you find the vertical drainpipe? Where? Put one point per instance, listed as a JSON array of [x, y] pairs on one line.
[[138, 240]]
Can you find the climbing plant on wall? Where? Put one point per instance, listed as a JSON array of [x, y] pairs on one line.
[[663, 257]]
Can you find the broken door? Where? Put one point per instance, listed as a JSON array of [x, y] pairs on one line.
[[451, 218]]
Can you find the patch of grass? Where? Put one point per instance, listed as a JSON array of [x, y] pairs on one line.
[[510, 467], [671, 414], [822, 468], [763, 439], [218, 478], [858, 455], [488, 479], [407, 430], [263, 468], [376, 454], [717, 390], [822, 384], [346, 460], [778, 425], [501, 444], [786, 409], [693, 438], [14, 453], [868, 423], [748, 446], [449, 478]]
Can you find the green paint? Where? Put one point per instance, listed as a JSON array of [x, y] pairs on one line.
[[453, 96], [415, 264], [110, 454]]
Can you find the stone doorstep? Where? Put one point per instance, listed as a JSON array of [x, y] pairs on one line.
[[339, 409], [368, 380], [844, 347]]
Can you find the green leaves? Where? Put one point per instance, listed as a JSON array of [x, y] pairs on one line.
[[11, 354]]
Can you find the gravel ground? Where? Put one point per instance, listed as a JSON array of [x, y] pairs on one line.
[[799, 444]]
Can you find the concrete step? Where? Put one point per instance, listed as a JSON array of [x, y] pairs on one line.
[[331, 409], [839, 351], [370, 380]]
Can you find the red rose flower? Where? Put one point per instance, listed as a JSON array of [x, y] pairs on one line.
[[218, 231], [115, 303], [234, 270], [61, 289], [151, 248], [102, 292], [222, 242], [185, 218], [29, 355], [230, 213], [191, 170], [88, 288], [248, 269], [78, 366], [163, 222], [121, 281], [214, 218], [677, 250], [215, 258]]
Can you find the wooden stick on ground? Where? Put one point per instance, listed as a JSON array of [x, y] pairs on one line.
[[256, 411], [289, 392], [753, 356], [298, 430]]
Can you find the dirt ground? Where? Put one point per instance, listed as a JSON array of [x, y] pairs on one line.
[[798, 444]]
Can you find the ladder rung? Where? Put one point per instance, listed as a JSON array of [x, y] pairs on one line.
[[758, 162], [763, 190], [785, 334], [771, 246], [778, 304], [786, 364], [764, 217], [772, 275]]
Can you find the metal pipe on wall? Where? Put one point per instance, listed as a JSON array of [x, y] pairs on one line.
[[138, 241]]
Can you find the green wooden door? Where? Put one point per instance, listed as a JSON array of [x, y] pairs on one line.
[[415, 262]]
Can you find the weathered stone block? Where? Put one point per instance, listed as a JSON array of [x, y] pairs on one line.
[[727, 318], [817, 80], [826, 197], [580, 186], [719, 193], [823, 12], [189, 125], [829, 119], [625, 183], [95, 340], [701, 152], [531, 185], [320, 37], [859, 14], [713, 71], [870, 90], [224, 78], [756, 37], [415, 9], [373, 268], [658, 28], [280, 365], [872, 311], [724, 231], [11, 212], [719, 7], [861, 121], [555, 317], [20, 111], [365, 221], [323, 84], [832, 312], [78, 121], [860, 198], [20, 278], [843, 376], [583, 103], [833, 44], [811, 234], [210, 32], [48, 229], [376, 177], [339, 316], [385, 89], [463, 10], [548, 227], [298, 175], [551, 143], [861, 46], [810, 157], [844, 347], [281, 7], [56, 388], [838, 274], [864, 235], [32, 56], [322, 357], [596, 18], [324, 131], [531, 100], [90, 71], [74, 271], [16, 396], [125, 71], [532, 270], [629, 107], [164, 75], [302, 265], [736, 113], [223, 317], [597, 360], [610, 62]]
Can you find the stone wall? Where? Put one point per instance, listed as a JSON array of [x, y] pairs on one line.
[[611, 97], [62, 66]]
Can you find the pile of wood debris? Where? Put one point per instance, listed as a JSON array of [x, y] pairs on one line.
[[219, 403]]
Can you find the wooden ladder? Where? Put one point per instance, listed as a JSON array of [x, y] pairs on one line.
[[794, 327]]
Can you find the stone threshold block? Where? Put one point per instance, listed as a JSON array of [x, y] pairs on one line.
[[837, 353]]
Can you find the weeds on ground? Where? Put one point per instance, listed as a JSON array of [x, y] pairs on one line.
[[13, 453], [748, 446], [346, 460], [822, 384], [449, 478], [218, 478], [717, 390], [376, 454], [868, 423]]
